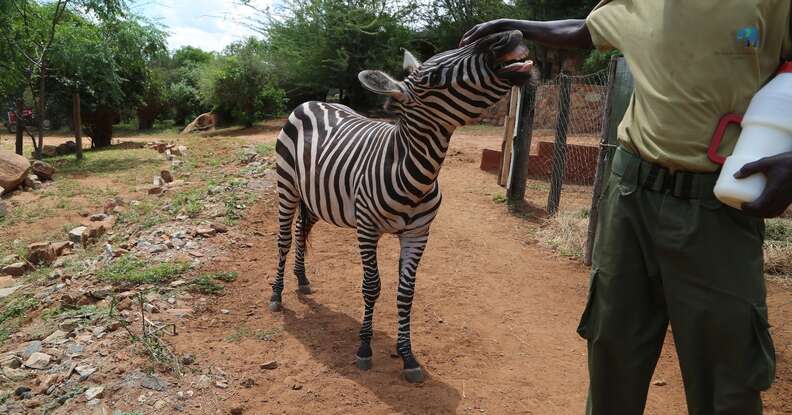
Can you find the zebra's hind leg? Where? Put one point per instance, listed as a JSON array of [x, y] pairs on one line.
[[412, 248], [303, 229], [287, 207], [367, 242]]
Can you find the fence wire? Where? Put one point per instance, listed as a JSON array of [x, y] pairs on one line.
[[567, 129]]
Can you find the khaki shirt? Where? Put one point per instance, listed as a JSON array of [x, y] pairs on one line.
[[693, 61]]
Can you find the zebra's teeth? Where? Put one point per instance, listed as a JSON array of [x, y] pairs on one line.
[[519, 67]]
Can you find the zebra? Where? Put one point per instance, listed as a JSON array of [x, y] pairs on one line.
[[380, 178]]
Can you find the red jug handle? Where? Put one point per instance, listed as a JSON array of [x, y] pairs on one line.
[[712, 152]]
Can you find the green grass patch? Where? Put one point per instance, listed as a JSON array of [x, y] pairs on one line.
[[225, 276], [11, 311], [190, 202], [133, 270], [266, 149], [778, 230], [205, 284], [242, 332], [146, 213], [499, 198], [108, 161]]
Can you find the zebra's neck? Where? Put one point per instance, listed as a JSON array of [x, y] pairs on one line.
[[420, 147]]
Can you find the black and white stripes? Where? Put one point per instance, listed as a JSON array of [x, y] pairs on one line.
[[338, 166]]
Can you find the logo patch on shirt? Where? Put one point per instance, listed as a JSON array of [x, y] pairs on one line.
[[749, 37]]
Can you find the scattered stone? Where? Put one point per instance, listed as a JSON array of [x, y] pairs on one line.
[[659, 382], [171, 300], [16, 269], [57, 337], [13, 170], [98, 217], [203, 382], [180, 151], [38, 360], [21, 391], [160, 405], [16, 375], [151, 308], [75, 349], [205, 232], [10, 360], [3, 208], [152, 383], [237, 410], [62, 248], [183, 396], [219, 227], [166, 176], [124, 304], [272, 364], [32, 182], [5, 292], [94, 393], [99, 331], [158, 181], [69, 324], [103, 409], [178, 283], [297, 386], [203, 122], [85, 371], [221, 383], [41, 253], [47, 382], [99, 294], [79, 235], [248, 383], [155, 190], [32, 347], [225, 311], [44, 171], [187, 359]]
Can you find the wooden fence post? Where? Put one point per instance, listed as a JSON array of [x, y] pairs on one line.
[[560, 148], [78, 125], [508, 136], [521, 147], [620, 89]]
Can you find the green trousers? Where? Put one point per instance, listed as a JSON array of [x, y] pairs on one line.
[[668, 251]]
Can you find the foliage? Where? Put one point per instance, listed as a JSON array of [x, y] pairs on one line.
[[133, 270], [239, 84], [597, 61]]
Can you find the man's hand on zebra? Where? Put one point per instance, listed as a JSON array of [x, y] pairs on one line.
[[560, 33]]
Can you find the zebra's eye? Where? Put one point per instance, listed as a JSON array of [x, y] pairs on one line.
[[435, 78]]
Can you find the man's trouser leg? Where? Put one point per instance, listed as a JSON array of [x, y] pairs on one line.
[[694, 260]]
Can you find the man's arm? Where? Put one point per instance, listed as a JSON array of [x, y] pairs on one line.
[[570, 34], [777, 195]]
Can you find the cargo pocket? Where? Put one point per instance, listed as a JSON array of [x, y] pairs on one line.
[[762, 370], [628, 181], [586, 320]]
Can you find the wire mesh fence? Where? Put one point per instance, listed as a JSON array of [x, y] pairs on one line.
[[567, 126]]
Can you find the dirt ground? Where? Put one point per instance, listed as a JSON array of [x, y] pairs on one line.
[[494, 319]]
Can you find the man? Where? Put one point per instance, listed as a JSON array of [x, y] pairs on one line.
[[667, 249]]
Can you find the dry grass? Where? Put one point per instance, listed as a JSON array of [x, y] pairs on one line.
[[778, 247], [565, 233]]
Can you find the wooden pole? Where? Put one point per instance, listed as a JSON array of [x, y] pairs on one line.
[[40, 116], [508, 136], [78, 125], [602, 161], [20, 126], [560, 148], [521, 148]]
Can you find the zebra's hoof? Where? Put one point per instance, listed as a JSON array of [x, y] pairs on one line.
[[275, 306], [413, 375], [363, 363], [304, 289]]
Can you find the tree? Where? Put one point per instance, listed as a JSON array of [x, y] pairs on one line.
[[30, 29], [183, 70], [239, 85]]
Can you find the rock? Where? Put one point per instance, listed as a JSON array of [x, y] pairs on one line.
[[99, 331], [174, 184], [94, 393], [21, 391], [98, 217], [176, 164], [272, 364], [70, 300], [85, 371], [44, 171], [237, 410], [151, 308], [75, 349], [214, 190], [180, 151], [160, 405], [16, 374], [124, 304], [103, 409], [69, 325], [30, 348], [659, 382], [38, 360], [219, 227], [10, 360], [152, 383], [47, 382], [99, 294], [41, 253], [225, 311], [13, 170], [248, 383], [79, 235], [297, 386], [5, 292], [166, 176], [3, 208], [221, 383], [203, 382], [205, 232], [32, 182], [16, 269], [57, 337], [203, 122], [187, 359], [62, 248], [155, 190]]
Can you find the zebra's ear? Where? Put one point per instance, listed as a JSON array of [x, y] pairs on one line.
[[410, 63], [379, 82]]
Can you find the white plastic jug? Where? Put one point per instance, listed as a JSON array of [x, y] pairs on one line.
[[766, 131]]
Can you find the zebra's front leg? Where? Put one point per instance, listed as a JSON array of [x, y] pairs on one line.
[[367, 242], [304, 226], [412, 248]]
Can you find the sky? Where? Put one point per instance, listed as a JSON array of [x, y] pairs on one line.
[[206, 24]]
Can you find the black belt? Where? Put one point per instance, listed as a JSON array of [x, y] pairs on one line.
[[681, 184]]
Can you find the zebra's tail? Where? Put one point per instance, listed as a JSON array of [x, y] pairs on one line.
[[305, 217]]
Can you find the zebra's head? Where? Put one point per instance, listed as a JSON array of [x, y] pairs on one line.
[[456, 86]]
